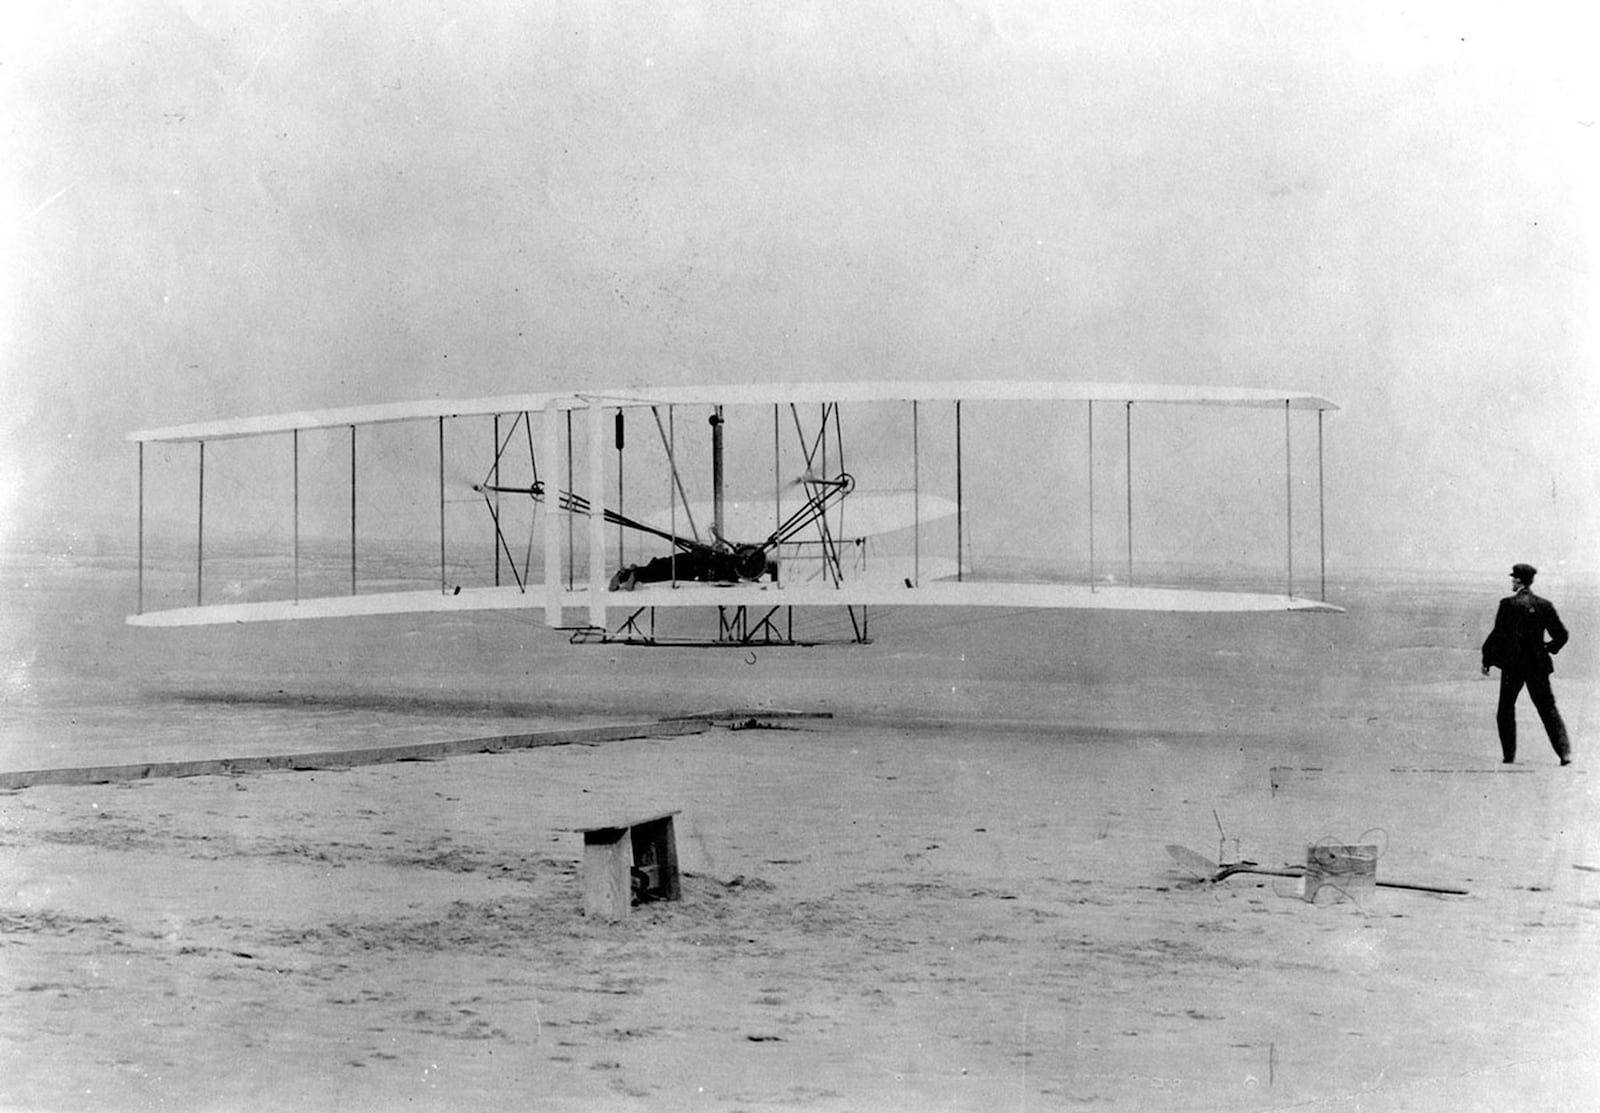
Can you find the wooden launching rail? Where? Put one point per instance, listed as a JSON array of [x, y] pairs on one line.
[[380, 754]]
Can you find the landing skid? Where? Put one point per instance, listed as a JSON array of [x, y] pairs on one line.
[[739, 626]]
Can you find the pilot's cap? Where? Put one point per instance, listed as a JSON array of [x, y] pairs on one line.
[[1524, 572]]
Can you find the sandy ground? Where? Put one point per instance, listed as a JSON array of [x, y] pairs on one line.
[[952, 894]]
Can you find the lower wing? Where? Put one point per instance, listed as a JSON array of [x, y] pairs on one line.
[[886, 591]]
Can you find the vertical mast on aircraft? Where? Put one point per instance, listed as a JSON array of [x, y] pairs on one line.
[[717, 488]]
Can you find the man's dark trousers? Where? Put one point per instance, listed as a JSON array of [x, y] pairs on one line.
[[1544, 701]]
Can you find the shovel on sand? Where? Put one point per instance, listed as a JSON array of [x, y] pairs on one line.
[[1211, 872]]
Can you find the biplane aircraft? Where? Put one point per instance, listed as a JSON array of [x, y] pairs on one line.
[[544, 476]]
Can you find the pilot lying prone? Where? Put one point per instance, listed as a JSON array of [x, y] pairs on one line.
[[701, 564]]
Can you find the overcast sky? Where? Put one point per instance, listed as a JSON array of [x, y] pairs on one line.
[[218, 209]]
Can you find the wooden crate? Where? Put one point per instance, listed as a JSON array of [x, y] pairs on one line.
[[629, 863]]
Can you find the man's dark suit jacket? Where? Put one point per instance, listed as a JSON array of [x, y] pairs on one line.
[[1517, 642]]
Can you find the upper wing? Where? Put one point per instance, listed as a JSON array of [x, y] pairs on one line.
[[736, 394]]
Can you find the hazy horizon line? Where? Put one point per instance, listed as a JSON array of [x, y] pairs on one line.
[[322, 550]]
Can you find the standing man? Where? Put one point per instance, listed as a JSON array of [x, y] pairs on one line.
[[1518, 649]]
